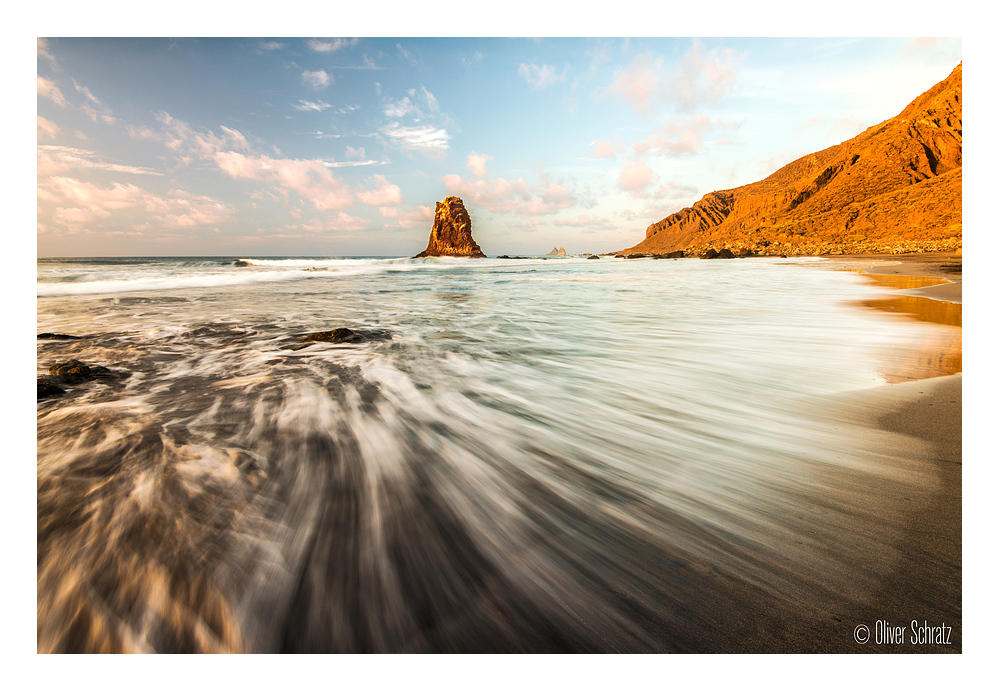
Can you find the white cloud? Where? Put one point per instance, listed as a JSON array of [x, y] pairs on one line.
[[86, 92], [43, 50], [318, 106], [602, 149], [46, 128], [701, 77], [405, 54], [639, 83], [311, 179], [358, 153], [402, 108], [681, 135], [56, 159], [332, 45], [48, 89], [182, 139], [425, 138], [468, 61], [517, 196], [84, 206], [271, 45], [384, 194], [543, 76], [635, 177], [317, 79], [477, 164], [417, 216]]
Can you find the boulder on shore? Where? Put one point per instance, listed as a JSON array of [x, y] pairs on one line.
[[451, 235]]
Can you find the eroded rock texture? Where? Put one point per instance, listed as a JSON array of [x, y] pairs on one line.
[[451, 235], [894, 188]]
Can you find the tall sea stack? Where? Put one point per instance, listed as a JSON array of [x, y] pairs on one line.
[[451, 235]]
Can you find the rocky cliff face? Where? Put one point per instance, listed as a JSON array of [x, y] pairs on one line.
[[451, 235], [894, 188]]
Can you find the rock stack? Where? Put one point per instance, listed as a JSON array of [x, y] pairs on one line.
[[451, 235]]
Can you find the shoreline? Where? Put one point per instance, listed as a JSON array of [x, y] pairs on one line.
[[927, 581]]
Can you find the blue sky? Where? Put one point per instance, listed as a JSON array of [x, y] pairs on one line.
[[341, 146]]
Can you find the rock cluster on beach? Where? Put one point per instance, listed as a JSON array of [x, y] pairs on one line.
[[69, 373], [894, 188], [451, 235]]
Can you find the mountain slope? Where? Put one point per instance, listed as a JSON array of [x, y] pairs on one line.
[[896, 187]]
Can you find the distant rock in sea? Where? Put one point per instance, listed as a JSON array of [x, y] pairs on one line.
[[451, 235], [558, 250]]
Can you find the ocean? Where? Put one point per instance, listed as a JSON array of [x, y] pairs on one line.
[[528, 455]]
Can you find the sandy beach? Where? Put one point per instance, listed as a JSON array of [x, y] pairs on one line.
[[926, 584]]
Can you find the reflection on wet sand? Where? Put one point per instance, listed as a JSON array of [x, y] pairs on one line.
[[939, 352], [898, 282]]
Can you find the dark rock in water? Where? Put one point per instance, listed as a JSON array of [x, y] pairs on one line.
[[75, 372], [240, 262], [334, 336], [71, 371], [636, 256], [57, 337], [503, 256], [593, 256], [451, 235], [746, 252], [46, 389], [726, 254], [710, 254]]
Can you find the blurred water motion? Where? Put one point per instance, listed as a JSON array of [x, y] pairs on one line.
[[523, 456]]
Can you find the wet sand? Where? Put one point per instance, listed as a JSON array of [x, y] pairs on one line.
[[927, 583]]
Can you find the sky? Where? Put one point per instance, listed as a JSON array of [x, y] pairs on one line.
[[341, 146]]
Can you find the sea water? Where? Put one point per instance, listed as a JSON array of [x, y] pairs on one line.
[[558, 454]]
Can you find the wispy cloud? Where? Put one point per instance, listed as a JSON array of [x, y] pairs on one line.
[[701, 77], [515, 196], [383, 194], [424, 138], [317, 79], [318, 106], [183, 139], [43, 50], [310, 179], [405, 54], [541, 76], [602, 149], [47, 128], [477, 164], [330, 45], [86, 207], [271, 45], [48, 89], [681, 135], [469, 61], [635, 177], [56, 159]]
